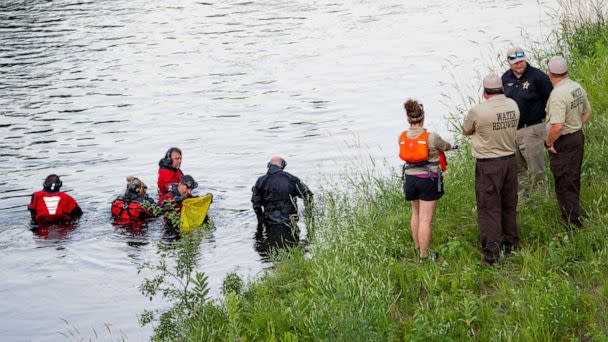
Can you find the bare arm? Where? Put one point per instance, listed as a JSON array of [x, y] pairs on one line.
[[466, 133], [468, 125], [586, 116], [554, 133]]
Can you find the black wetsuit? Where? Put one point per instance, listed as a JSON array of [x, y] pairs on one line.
[[274, 201]]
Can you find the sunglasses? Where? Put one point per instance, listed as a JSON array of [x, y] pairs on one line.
[[516, 55]]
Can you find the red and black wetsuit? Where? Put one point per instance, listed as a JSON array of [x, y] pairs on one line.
[[48, 207], [128, 208], [173, 195], [167, 175]]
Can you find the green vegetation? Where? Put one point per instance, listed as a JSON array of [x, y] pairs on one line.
[[360, 280], [176, 279], [168, 211]]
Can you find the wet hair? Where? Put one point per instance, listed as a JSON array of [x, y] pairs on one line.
[[52, 183], [493, 91], [414, 111], [135, 185]]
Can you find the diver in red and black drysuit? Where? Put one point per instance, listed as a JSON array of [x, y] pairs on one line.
[[169, 170], [51, 205], [135, 205], [179, 192]]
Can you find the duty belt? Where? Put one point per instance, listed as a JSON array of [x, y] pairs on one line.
[[483, 160], [530, 124]]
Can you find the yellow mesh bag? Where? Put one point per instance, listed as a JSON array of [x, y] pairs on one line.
[[194, 211]]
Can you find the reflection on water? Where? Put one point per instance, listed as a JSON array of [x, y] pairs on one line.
[[268, 243], [54, 232], [135, 233], [98, 90]]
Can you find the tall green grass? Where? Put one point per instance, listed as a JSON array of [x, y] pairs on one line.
[[360, 281]]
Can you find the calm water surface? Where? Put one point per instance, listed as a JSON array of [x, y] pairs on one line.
[[98, 90]]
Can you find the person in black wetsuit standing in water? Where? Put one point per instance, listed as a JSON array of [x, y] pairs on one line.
[[274, 199]]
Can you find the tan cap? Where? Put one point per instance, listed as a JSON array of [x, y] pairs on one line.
[[516, 54], [492, 81], [557, 65]]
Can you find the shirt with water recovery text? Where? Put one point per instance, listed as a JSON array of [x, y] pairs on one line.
[[493, 124], [435, 144], [566, 105], [530, 92]]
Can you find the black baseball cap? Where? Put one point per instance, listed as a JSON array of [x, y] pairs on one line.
[[188, 181]]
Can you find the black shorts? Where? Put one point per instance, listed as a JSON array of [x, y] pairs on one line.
[[416, 188]]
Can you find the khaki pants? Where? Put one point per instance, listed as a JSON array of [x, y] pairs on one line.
[[495, 189], [531, 161], [566, 168]]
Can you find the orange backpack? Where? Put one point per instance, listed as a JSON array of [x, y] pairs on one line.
[[416, 150]]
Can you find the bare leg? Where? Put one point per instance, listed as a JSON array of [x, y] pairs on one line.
[[426, 212], [414, 223]]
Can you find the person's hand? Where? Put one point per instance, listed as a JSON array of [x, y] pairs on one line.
[[179, 199], [165, 206], [550, 148]]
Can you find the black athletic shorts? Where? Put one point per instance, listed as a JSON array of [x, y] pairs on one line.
[[416, 188]]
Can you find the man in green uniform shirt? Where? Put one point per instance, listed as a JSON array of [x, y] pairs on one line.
[[492, 125], [567, 110]]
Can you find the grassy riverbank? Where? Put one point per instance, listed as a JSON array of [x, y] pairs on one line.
[[362, 282]]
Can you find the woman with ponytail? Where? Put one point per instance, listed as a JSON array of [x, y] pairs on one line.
[[135, 205], [421, 151]]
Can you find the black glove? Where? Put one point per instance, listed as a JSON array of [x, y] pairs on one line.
[[166, 206], [179, 199]]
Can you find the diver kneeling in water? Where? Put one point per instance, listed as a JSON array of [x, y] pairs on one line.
[[51, 205], [182, 209], [135, 204], [179, 192]]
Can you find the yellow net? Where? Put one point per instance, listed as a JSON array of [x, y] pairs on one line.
[[194, 211]]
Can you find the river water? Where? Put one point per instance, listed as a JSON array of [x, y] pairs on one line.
[[98, 90]]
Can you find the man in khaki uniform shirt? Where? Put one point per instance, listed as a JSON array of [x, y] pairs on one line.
[[492, 125], [567, 110]]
